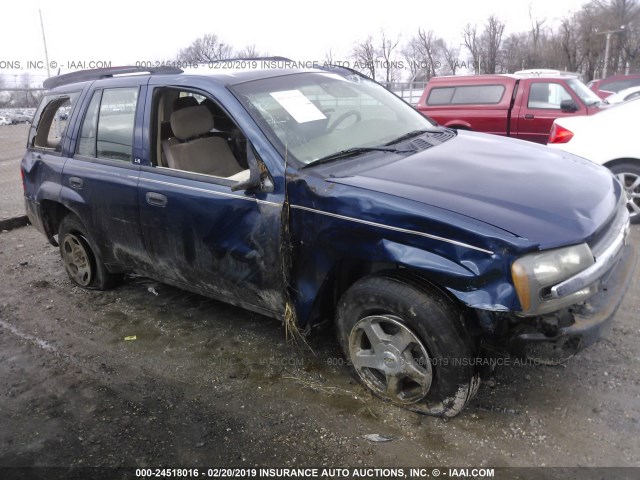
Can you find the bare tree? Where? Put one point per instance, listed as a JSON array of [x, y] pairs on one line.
[[364, 55], [386, 52], [251, 51], [516, 52], [536, 34], [569, 43], [494, 29], [621, 15], [429, 48], [411, 54], [207, 48], [472, 42], [328, 57], [451, 56]]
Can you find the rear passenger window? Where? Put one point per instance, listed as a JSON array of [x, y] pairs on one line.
[[107, 129], [618, 85], [51, 120], [89, 132], [466, 95]]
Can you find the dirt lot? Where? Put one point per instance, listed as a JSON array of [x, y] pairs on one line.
[[208, 384]]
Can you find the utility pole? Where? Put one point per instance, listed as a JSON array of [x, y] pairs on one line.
[[44, 40], [608, 33]]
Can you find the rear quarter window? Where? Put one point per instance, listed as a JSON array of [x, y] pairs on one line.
[[50, 121], [466, 95]]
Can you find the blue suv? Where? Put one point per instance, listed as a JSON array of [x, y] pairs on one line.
[[315, 195]]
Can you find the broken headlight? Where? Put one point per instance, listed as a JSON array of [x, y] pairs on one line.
[[535, 274]]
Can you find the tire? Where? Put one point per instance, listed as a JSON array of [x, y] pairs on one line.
[[81, 257], [628, 173], [408, 345]]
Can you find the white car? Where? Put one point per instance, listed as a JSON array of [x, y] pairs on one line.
[[4, 121], [623, 95], [609, 138]]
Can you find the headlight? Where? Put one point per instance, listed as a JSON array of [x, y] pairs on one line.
[[534, 275]]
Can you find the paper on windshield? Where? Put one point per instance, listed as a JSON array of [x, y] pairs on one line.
[[298, 106]]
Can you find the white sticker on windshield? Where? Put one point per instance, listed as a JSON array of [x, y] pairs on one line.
[[298, 106]]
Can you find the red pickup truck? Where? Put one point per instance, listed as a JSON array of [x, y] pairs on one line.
[[520, 106]]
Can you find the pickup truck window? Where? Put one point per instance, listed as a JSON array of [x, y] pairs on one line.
[[107, 128], [585, 94], [547, 95], [466, 95]]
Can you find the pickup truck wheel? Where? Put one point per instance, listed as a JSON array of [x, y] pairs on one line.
[[628, 174], [407, 345], [80, 256]]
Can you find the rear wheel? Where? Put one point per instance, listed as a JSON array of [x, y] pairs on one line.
[[407, 345], [81, 257], [628, 174]]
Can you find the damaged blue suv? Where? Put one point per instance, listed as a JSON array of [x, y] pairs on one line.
[[317, 195]]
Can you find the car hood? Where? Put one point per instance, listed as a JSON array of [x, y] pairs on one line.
[[549, 197]]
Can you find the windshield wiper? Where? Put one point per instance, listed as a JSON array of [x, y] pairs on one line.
[[406, 136], [349, 152]]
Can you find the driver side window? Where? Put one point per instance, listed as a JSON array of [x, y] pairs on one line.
[[194, 134], [547, 95]]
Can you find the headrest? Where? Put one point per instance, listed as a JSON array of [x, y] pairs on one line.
[[190, 122], [184, 102]]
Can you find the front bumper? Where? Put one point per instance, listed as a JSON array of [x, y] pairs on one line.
[[555, 343]]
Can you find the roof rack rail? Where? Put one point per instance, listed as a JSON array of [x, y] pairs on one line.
[[341, 69], [98, 73]]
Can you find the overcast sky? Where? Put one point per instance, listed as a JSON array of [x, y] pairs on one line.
[[124, 32]]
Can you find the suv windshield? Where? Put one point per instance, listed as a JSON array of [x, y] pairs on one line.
[[311, 116], [586, 95]]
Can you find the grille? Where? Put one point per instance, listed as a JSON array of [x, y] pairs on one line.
[[608, 234]]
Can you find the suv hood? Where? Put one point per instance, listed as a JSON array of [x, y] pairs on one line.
[[549, 197]]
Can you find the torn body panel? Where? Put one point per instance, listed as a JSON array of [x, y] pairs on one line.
[[334, 227]]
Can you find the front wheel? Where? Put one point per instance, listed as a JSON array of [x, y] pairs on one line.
[[81, 257], [408, 346], [628, 174]]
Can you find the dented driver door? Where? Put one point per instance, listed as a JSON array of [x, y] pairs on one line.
[[203, 236]]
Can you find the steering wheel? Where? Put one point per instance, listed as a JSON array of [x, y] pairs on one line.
[[342, 118]]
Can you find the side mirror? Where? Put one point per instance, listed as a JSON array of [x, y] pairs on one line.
[[568, 106], [254, 182]]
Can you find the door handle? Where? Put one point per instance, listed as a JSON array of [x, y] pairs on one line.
[[156, 199], [76, 182], [529, 116]]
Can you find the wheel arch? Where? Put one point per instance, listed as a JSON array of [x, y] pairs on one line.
[[52, 214], [618, 161], [347, 273]]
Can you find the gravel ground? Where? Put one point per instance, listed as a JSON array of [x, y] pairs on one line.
[[147, 375]]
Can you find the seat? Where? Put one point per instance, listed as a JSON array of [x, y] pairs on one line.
[[192, 150]]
